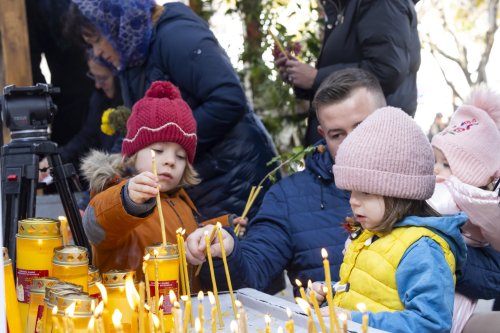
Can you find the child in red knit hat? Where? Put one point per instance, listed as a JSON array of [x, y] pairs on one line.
[[122, 218]]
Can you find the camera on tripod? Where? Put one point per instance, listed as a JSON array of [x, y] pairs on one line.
[[28, 112]]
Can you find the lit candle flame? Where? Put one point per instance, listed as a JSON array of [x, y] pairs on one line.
[[54, 310], [280, 329], [325, 289], [117, 318], [200, 296], [90, 326], [133, 297], [234, 326], [156, 320], [183, 232], [172, 297], [324, 254], [267, 319], [211, 297], [70, 310], [155, 253], [102, 290], [99, 309], [342, 316], [303, 304], [218, 225], [185, 298], [238, 304], [361, 307], [146, 257], [289, 313], [298, 283], [197, 325]]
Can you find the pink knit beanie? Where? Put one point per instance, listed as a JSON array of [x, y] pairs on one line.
[[161, 116], [388, 155], [471, 140]]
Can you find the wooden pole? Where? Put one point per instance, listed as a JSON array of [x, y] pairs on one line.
[[14, 44]]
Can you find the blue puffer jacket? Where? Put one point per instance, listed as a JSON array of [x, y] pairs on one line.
[[299, 215], [233, 145]]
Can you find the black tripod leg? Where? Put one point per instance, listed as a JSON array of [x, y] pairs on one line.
[[61, 176]]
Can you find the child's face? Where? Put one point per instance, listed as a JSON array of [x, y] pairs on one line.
[[441, 166], [171, 161], [368, 209]]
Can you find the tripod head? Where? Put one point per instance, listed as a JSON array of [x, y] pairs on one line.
[[28, 111]]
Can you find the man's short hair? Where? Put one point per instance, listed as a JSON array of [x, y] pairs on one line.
[[339, 85]]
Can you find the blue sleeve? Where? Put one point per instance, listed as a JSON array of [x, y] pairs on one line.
[[426, 289], [480, 276], [203, 71], [267, 247]]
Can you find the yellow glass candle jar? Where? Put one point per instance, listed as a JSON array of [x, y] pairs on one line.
[[94, 276], [114, 281], [163, 273], [36, 240], [74, 318], [11, 304], [36, 307], [70, 264], [50, 300]]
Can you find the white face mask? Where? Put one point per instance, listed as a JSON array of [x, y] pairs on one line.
[[442, 200]]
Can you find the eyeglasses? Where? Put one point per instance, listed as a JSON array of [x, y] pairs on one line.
[[101, 79]]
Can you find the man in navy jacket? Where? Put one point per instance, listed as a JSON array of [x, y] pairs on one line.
[[304, 212]]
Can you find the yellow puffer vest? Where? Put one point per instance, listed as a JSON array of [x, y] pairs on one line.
[[371, 268]]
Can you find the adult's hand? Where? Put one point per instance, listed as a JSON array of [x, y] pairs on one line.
[[318, 291], [299, 74], [195, 245]]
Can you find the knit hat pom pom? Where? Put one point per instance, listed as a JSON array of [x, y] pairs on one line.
[[163, 89], [486, 99]]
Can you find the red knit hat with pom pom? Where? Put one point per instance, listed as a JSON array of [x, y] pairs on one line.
[[161, 116], [471, 139]]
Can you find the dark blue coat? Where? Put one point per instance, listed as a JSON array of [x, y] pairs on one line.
[[299, 215], [233, 146]]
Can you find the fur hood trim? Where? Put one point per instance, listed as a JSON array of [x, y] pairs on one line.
[[102, 170]]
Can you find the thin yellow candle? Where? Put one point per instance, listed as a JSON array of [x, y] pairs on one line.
[[267, 319], [278, 43], [201, 313], [64, 229], [184, 263], [158, 201], [146, 278], [242, 318], [142, 326], [301, 289], [213, 311], [226, 268], [314, 302], [160, 313], [187, 313], [133, 301], [343, 321], [212, 237], [289, 325], [329, 296], [364, 323], [212, 275], [304, 305], [117, 321], [157, 287], [182, 290]]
